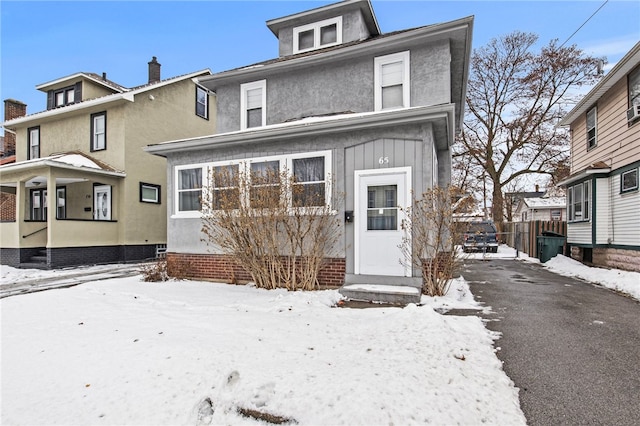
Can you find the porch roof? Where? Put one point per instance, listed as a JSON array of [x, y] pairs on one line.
[[316, 125], [74, 160]]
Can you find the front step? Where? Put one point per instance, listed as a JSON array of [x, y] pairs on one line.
[[395, 294], [382, 288]]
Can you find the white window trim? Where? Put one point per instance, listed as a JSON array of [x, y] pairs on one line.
[[244, 88], [316, 26], [585, 206], [176, 198], [285, 161], [378, 62]]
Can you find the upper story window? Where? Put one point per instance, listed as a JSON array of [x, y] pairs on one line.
[[202, 102], [592, 128], [98, 131], [634, 87], [253, 100], [579, 202], [629, 181], [64, 97], [391, 80], [33, 139], [149, 193], [317, 35]]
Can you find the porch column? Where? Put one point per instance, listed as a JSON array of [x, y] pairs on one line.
[[51, 206], [21, 197]]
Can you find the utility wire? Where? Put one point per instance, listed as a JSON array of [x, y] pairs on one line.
[[584, 23]]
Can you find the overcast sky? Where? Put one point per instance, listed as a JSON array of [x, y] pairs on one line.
[[43, 41]]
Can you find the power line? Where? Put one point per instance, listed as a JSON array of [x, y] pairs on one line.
[[585, 22]]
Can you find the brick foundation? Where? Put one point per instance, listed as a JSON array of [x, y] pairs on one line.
[[223, 268]]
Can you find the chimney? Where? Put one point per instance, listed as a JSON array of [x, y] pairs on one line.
[[104, 76], [12, 109], [154, 70]]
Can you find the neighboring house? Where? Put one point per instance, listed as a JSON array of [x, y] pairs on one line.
[[603, 199], [373, 114], [541, 208], [512, 201], [85, 191]]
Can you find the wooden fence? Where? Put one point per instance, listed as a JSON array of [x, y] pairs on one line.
[[523, 235]]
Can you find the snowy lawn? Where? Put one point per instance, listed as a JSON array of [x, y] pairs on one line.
[[122, 351]]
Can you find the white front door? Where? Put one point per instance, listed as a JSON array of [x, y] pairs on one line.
[[102, 202], [378, 220]]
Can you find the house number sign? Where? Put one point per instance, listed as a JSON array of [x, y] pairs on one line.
[[383, 160]]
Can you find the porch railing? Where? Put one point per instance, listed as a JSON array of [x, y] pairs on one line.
[[34, 232]]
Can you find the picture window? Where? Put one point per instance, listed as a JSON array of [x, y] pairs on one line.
[[149, 193]]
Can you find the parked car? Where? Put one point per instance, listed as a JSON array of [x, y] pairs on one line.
[[480, 236]]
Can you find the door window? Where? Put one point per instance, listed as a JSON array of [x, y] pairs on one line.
[[382, 208]]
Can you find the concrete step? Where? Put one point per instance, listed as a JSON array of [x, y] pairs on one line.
[[383, 280], [33, 265], [396, 294], [38, 259]]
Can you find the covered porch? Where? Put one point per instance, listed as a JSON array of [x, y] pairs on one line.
[[64, 207]]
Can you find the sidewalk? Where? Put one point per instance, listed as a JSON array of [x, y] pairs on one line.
[[68, 277]]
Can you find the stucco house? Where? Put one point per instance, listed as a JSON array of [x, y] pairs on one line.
[[373, 114], [85, 191], [603, 199]]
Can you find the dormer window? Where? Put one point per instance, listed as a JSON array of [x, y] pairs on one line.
[[317, 35], [65, 96]]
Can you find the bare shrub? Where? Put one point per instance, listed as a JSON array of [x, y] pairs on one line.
[[279, 229], [430, 238], [155, 272]]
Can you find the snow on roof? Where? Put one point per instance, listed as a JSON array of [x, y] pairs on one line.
[[545, 202]]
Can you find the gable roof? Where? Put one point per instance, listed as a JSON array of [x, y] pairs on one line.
[[125, 95], [618, 72]]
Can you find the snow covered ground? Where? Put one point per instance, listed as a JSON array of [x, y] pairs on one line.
[[122, 351]]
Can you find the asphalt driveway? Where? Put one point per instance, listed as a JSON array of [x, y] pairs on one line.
[[572, 348]]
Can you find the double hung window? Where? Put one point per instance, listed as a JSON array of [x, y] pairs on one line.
[[189, 189], [634, 87], [317, 35], [225, 191], [592, 128], [309, 182], [38, 205], [265, 183], [202, 102], [64, 96], [391, 80], [33, 136], [579, 202], [61, 203], [253, 104], [98, 131]]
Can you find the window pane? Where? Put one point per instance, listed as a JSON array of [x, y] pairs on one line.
[[328, 34], [634, 88], [71, 96], [308, 169], [264, 196], [577, 202], [392, 73], [225, 199], [265, 172], [201, 102], [630, 180], [254, 117], [59, 98], [189, 201], [586, 200], [382, 212], [392, 97], [149, 193], [305, 40], [307, 195], [190, 179], [225, 176], [254, 98]]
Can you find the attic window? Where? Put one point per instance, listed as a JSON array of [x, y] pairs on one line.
[[317, 35]]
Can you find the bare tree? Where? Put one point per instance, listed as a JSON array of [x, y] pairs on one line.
[[515, 99], [431, 236]]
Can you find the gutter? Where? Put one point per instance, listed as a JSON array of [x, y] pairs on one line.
[[584, 174]]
